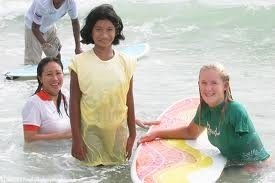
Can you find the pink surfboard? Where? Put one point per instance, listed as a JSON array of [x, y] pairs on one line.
[[177, 160]]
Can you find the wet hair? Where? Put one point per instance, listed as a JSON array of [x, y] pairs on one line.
[[40, 69], [102, 12], [225, 78]]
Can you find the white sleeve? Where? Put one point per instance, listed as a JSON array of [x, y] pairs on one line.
[[31, 114], [72, 11], [39, 11]]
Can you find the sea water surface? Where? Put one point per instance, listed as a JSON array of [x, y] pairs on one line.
[[183, 35]]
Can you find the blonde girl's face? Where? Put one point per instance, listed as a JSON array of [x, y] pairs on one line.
[[52, 78], [212, 87], [103, 33]]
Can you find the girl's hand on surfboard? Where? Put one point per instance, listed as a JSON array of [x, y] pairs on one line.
[[148, 137], [146, 124]]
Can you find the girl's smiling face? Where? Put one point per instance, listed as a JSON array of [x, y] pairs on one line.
[[103, 33], [212, 87]]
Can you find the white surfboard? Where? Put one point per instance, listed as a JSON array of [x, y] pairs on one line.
[[177, 160], [26, 72]]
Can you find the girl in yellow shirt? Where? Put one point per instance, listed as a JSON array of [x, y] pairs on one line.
[[102, 111]]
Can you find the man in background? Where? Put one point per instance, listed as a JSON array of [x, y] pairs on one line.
[[41, 32]]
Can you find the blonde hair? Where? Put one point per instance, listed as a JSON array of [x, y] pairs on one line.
[[225, 78]]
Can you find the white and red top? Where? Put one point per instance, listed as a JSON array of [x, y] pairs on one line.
[[40, 114], [43, 13]]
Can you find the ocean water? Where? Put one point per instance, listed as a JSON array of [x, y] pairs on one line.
[[183, 35]]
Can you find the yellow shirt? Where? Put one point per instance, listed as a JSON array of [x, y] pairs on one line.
[[104, 86]]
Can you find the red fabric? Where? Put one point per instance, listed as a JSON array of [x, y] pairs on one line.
[[31, 127], [43, 95]]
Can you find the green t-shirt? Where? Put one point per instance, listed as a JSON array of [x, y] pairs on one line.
[[232, 132]]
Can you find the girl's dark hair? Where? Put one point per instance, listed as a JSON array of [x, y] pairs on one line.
[[40, 69], [102, 12]]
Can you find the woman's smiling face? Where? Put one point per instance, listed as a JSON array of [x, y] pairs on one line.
[[52, 78]]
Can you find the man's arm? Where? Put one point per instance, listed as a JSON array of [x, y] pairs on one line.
[[76, 32], [38, 34]]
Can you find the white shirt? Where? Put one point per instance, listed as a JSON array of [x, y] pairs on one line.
[[43, 13], [41, 112]]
